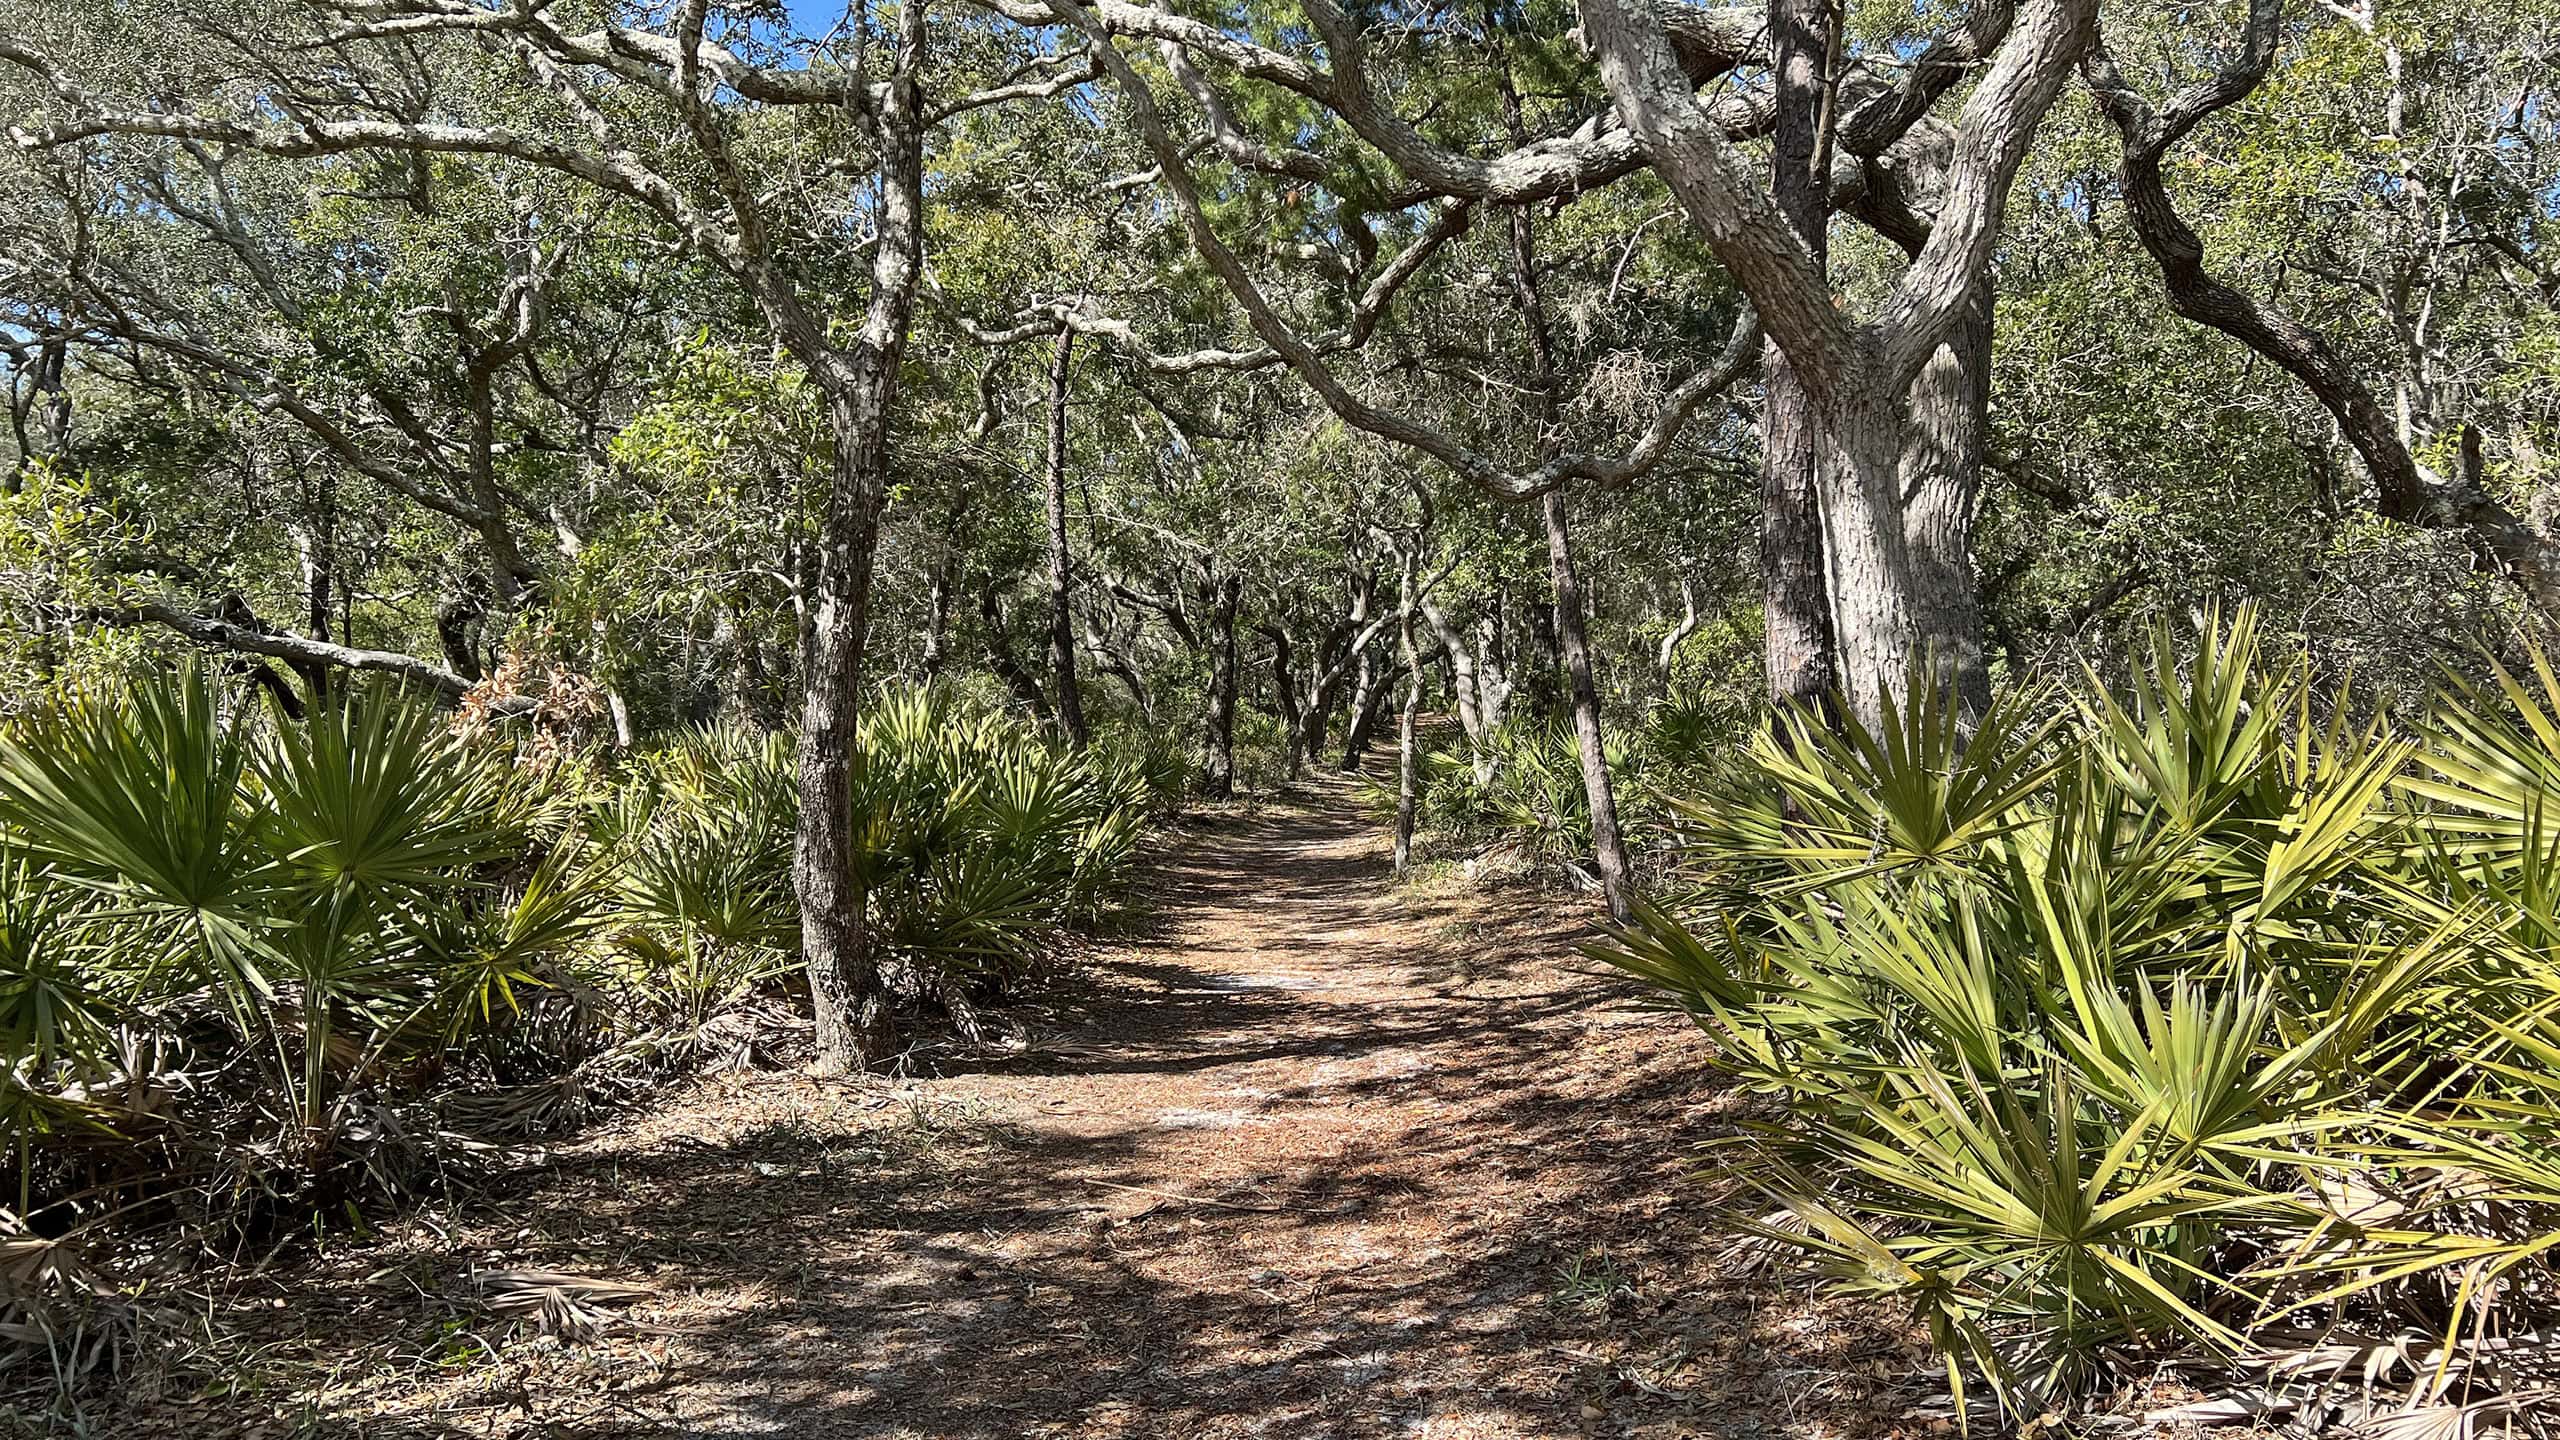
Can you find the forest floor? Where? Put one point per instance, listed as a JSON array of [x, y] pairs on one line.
[[1314, 1154]]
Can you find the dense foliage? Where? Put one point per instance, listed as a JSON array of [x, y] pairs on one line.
[[823, 474], [2189, 1011], [255, 971]]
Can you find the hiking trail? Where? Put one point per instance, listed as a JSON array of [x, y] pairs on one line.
[[1319, 1156]]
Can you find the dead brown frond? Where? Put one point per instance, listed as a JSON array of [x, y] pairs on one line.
[[570, 1308]]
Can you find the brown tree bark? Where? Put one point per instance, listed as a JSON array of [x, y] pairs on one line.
[[854, 1027], [1284, 697], [937, 614], [1409, 719], [1008, 667], [1797, 648], [1062, 631], [1368, 698], [1608, 842]]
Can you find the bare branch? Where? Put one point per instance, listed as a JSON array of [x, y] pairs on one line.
[[206, 630]]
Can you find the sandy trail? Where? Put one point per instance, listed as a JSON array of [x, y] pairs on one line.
[[1318, 1158]]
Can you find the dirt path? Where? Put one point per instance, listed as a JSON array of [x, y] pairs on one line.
[[1321, 1158]]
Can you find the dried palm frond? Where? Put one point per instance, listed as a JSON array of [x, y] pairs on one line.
[[571, 1308]]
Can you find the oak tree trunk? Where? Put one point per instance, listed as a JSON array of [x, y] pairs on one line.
[[1008, 667], [1368, 699], [1799, 648], [1868, 568], [1608, 844], [1467, 692], [1284, 698], [1942, 446], [1564, 631], [854, 1028], [1408, 791], [937, 624]]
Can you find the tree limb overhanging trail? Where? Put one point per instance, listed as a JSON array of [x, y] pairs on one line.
[[1302, 356], [1885, 610]]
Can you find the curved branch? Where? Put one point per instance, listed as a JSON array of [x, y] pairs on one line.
[[611, 168], [2405, 491], [1998, 123], [1077, 313], [1737, 219]]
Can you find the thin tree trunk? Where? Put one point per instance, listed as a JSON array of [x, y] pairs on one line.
[[1546, 696], [1608, 843], [1680, 632], [753, 698], [1367, 699], [458, 619], [1007, 666], [315, 544], [937, 624], [516, 578], [1062, 634], [1465, 691], [854, 1027], [1284, 698], [1567, 633], [1494, 665], [52, 404], [1218, 764]]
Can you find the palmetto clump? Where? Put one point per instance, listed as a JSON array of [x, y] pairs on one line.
[[257, 972], [2194, 1017]]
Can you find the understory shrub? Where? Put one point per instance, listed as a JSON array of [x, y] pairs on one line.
[[256, 972], [2189, 1015], [1519, 793]]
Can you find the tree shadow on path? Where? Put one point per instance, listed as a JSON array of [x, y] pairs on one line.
[[1286, 1168]]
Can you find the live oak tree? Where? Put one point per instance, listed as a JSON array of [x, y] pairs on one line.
[[1855, 375]]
